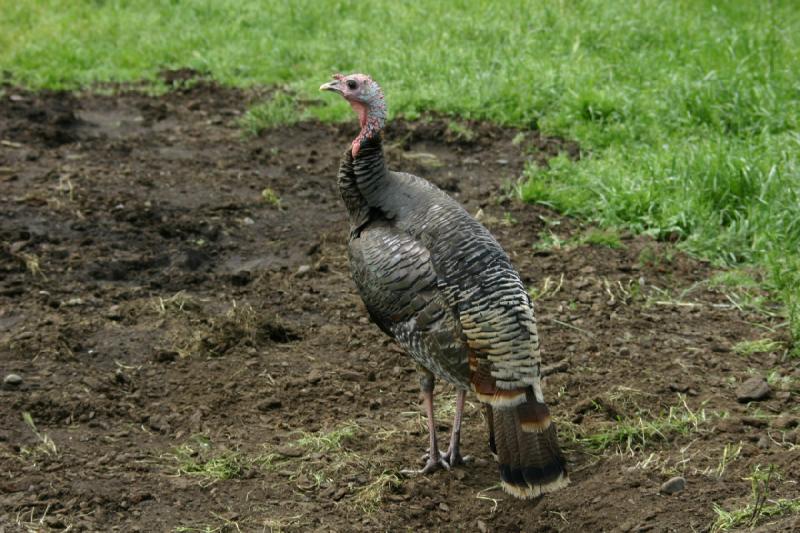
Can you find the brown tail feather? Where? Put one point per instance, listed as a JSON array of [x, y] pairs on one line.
[[531, 463]]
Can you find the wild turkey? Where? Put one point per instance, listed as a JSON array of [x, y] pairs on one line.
[[435, 280]]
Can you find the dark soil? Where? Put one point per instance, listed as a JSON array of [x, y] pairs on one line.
[[167, 320]]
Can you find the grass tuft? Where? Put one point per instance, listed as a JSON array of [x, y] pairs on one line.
[[271, 197], [757, 346], [369, 497], [45, 445], [761, 507], [280, 109], [330, 441], [637, 434], [197, 458]]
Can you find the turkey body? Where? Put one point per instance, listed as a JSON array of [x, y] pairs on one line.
[[422, 263], [435, 280]]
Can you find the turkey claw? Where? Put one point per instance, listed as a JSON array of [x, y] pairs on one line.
[[431, 465], [456, 459]]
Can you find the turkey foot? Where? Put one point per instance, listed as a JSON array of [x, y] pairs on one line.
[[434, 462], [435, 458], [455, 458]]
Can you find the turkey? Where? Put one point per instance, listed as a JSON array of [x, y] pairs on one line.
[[437, 282]]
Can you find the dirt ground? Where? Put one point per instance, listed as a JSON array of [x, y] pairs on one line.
[[193, 356]]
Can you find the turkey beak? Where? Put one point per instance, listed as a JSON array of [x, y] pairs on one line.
[[331, 86]]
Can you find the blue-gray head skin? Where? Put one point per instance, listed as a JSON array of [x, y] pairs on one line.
[[366, 97]]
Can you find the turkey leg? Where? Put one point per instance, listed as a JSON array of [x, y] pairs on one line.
[[453, 454], [435, 459]]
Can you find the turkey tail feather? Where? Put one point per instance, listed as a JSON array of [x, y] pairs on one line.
[[531, 463]]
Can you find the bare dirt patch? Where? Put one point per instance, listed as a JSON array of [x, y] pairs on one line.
[[193, 356]]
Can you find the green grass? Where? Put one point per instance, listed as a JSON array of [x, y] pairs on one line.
[[761, 508], [280, 108], [608, 238], [687, 111], [197, 458], [271, 197], [756, 346], [632, 434], [330, 441]]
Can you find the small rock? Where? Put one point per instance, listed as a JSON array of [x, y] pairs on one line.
[[303, 269], [241, 278], [584, 406], [24, 335], [754, 389], [346, 375], [728, 425], [673, 486], [268, 404], [444, 507], [113, 313], [290, 451], [423, 158], [13, 380], [247, 221], [502, 162], [783, 395], [165, 356], [482, 526], [753, 421], [763, 442], [786, 422]]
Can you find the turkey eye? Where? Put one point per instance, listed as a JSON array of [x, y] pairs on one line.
[[351, 84]]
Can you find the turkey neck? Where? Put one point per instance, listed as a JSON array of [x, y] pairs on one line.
[[361, 180]]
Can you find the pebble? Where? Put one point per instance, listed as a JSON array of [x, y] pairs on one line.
[[673, 485], [754, 389], [753, 421], [678, 387], [13, 379], [786, 422], [303, 269], [290, 451], [423, 158], [268, 404]]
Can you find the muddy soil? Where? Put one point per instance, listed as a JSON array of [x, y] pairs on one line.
[[190, 353]]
